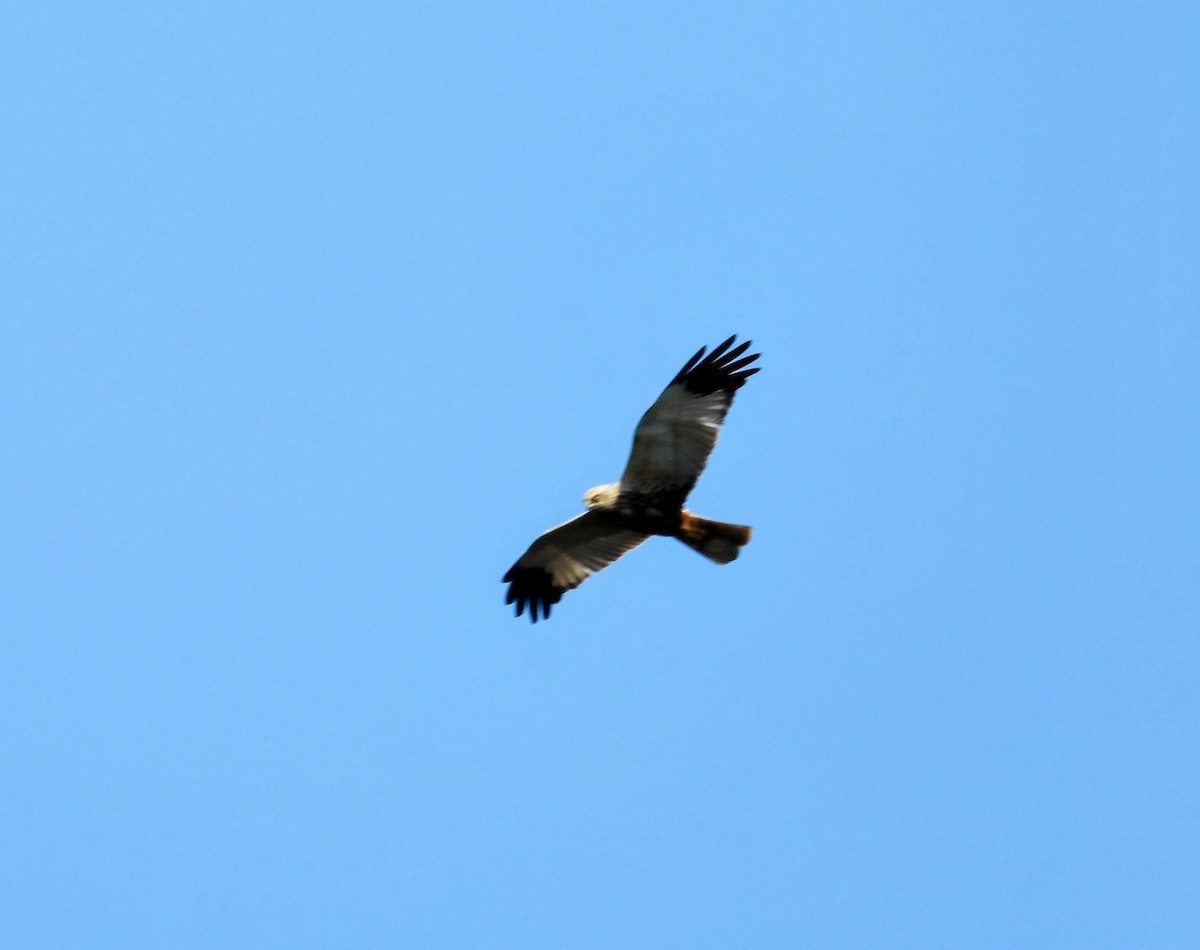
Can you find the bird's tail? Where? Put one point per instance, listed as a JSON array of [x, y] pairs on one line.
[[716, 540]]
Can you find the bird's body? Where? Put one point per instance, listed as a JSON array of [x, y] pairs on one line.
[[642, 513], [671, 445]]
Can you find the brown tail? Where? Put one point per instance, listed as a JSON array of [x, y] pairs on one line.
[[716, 540]]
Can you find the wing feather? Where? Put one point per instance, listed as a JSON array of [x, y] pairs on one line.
[[675, 437], [565, 556]]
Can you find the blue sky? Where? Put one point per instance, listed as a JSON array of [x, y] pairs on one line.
[[314, 315]]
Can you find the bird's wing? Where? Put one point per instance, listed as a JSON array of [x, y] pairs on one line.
[[565, 556], [674, 438]]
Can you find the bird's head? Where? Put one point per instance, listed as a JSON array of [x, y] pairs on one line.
[[602, 496]]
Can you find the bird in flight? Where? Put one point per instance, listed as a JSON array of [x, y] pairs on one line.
[[671, 445]]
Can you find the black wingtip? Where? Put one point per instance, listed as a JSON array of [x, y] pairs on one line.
[[720, 370], [531, 587]]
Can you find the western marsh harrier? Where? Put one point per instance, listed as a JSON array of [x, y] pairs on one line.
[[671, 445]]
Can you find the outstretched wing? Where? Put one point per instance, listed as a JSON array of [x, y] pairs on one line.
[[565, 556], [676, 435]]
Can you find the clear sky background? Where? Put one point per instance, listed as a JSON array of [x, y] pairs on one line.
[[314, 315]]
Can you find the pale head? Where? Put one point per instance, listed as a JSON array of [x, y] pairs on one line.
[[602, 496]]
